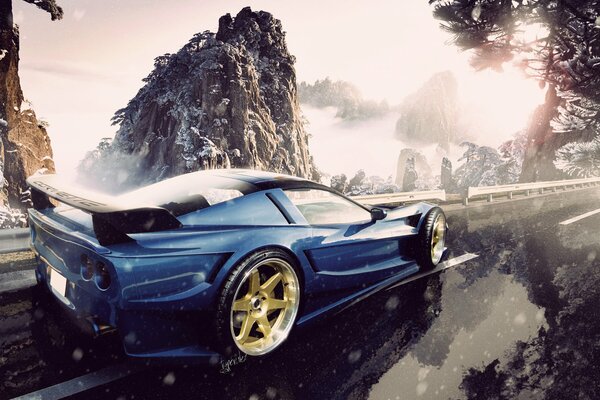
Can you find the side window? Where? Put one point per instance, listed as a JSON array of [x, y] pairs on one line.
[[251, 209], [323, 207]]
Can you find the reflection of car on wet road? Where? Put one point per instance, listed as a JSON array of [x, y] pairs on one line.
[[217, 260]]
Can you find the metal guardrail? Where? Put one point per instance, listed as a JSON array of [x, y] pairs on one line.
[[387, 198], [526, 188], [12, 240]]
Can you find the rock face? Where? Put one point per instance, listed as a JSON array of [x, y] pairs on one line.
[[446, 180], [419, 163], [431, 115], [24, 143], [224, 100], [410, 176]]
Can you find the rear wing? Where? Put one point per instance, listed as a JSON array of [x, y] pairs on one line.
[[111, 221]]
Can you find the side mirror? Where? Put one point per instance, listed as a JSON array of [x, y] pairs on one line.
[[378, 214]]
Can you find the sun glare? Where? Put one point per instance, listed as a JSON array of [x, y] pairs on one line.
[[501, 103]]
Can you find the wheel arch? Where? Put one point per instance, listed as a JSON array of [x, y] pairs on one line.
[[297, 264]]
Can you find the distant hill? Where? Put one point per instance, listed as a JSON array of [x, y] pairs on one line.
[[344, 96], [432, 114]]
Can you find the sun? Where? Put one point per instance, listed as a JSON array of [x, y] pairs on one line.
[[500, 103]]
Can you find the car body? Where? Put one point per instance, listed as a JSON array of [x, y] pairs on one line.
[[156, 264]]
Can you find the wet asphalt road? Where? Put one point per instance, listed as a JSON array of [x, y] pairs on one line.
[[520, 321]]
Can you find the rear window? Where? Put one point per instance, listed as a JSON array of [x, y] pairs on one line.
[[187, 193]]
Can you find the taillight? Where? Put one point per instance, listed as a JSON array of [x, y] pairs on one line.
[[96, 271], [87, 268], [101, 276]]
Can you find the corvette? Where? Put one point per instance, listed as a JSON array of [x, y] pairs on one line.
[[211, 262]]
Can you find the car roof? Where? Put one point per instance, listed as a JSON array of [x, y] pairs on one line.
[[262, 180]]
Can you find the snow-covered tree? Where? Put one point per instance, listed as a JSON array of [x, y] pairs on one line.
[[480, 167], [512, 153], [357, 180], [579, 160], [339, 183]]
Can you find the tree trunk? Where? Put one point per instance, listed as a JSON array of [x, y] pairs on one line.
[[542, 142], [6, 16]]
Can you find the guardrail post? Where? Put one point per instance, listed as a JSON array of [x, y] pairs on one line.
[[527, 192], [490, 198], [541, 191], [554, 189], [466, 201], [510, 195]]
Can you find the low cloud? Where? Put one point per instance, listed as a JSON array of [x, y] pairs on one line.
[[72, 70]]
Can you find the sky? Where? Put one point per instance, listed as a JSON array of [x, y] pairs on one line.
[[78, 71]]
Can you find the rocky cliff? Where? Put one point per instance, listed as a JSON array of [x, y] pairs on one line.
[[431, 115], [24, 143], [224, 100]]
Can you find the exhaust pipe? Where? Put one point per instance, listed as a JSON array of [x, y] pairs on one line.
[[97, 328]]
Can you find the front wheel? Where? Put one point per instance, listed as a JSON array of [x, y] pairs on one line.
[[431, 239], [259, 303]]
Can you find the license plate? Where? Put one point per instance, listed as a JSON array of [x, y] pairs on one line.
[[58, 282]]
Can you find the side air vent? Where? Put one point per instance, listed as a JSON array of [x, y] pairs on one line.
[[413, 220]]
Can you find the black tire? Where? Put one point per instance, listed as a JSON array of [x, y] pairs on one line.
[[239, 277], [424, 252]]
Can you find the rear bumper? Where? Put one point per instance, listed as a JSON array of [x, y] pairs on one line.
[[157, 336], [92, 315]]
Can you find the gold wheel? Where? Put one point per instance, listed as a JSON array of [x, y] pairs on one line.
[[264, 306], [438, 238]]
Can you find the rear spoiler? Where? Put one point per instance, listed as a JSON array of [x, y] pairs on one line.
[[111, 221]]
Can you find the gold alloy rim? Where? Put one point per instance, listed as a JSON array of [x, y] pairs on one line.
[[438, 238], [264, 306]]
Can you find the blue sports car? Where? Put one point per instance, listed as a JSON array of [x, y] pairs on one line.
[[203, 264]]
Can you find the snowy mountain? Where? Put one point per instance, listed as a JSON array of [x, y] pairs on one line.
[[224, 100], [343, 96], [432, 114], [24, 143]]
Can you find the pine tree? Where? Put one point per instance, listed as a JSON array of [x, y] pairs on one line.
[[6, 17], [557, 43], [579, 160]]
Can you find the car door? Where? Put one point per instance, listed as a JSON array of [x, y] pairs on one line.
[[348, 249]]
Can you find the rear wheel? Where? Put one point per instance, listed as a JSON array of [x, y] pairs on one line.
[[259, 303], [431, 239]]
